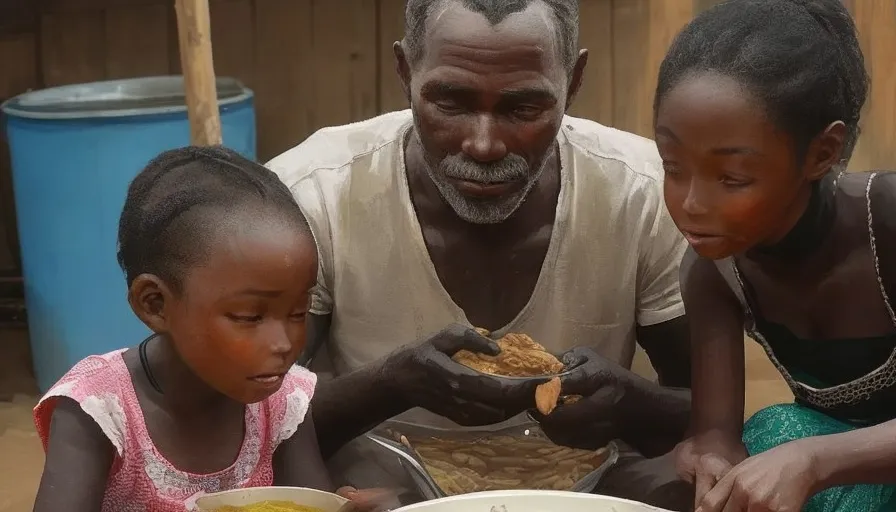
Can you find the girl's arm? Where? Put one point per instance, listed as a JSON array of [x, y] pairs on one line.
[[717, 350], [863, 456], [298, 461], [79, 458]]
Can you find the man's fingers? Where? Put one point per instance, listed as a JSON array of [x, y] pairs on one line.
[[456, 337]]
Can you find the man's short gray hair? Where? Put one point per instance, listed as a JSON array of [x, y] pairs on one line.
[[566, 17]]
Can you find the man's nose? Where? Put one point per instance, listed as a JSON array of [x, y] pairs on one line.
[[483, 142]]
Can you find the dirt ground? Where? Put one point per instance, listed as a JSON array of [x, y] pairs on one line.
[[21, 457]]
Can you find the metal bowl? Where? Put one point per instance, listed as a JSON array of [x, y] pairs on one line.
[[424, 482]]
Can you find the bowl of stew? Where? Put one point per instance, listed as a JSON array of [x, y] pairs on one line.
[[270, 499]]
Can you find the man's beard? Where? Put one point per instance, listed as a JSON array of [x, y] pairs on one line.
[[511, 169]]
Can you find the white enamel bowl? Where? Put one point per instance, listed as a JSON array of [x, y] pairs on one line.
[[529, 501]]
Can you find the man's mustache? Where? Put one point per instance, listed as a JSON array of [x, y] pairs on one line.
[[510, 168]]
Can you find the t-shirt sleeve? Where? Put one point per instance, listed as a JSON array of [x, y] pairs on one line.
[[662, 248], [94, 384], [311, 201]]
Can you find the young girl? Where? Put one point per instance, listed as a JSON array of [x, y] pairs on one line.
[[757, 111], [219, 261]]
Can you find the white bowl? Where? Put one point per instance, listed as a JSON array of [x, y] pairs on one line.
[[529, 501], [241, 497]]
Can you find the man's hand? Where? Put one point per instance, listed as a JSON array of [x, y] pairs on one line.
[[425, 376], [595, 420]]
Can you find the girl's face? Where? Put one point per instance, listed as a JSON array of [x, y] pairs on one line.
[[732, 180], [239, 322]]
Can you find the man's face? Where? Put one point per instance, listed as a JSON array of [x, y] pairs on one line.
[[488, 102]]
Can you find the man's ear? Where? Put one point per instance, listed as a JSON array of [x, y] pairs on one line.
[[575, 79], [403, 68], [148, 297], [825, 151]]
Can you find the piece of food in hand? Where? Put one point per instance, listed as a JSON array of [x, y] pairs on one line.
[[520, 356], [547, 395]]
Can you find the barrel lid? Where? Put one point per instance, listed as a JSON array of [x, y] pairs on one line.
[[116, 98]]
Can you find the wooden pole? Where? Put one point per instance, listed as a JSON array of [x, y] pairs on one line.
[[194, 35]]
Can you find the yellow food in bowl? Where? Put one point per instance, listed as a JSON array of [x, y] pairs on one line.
[[269, 506]]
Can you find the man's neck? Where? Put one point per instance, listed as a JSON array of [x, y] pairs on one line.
[[433, 211]]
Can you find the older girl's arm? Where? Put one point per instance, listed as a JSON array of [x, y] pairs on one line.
[[864, 456]]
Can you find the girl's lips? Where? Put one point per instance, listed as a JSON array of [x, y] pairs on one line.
[[697, 239], [268, 380]]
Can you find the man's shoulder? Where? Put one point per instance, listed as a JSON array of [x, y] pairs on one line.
[[336, 147], [604, 145]]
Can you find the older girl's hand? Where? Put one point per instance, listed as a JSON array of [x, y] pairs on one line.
[[779, 480], [706, 459]]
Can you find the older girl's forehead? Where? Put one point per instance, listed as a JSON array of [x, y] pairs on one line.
[[717, 113]]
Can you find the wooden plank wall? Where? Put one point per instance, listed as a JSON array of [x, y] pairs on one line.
[[314, 63]]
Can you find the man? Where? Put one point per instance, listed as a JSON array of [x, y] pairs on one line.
[[484, 205]]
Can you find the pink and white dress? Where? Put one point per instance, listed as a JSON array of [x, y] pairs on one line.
[[141, 478]]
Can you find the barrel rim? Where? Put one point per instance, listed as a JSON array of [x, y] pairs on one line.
[[17, 106]]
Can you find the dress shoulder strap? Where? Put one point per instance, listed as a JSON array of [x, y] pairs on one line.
[[728, 270], [875, 250]]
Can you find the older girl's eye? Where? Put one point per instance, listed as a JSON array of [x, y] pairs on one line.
[[244, 318], [735, 181]]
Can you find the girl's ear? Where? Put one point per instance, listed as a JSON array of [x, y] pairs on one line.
[[148, 297], [825, 151]]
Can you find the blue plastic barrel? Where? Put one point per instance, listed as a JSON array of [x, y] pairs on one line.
[[74, 150]]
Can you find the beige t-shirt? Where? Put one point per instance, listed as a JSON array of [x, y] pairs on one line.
[[612, 261]]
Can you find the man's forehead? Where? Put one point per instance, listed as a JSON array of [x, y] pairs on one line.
[[452, 23]]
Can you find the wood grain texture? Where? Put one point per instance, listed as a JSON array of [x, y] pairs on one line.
[[389, 29], [642, 32], [137, 31], [233, 37], [345, 61], [595, 98], [283, 74], [73, 47], [876, 23]]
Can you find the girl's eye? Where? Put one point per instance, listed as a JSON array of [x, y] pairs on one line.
[[248, 319], [732, 182], [297, 317]]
